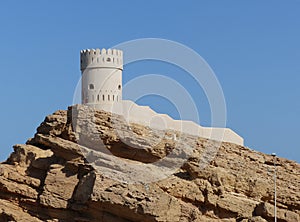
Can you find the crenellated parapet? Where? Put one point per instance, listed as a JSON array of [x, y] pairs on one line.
[[97, 58]]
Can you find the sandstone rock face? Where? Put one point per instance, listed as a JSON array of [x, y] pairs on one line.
[[86, 165]]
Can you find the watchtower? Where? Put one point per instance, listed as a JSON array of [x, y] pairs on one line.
[[101, 76]]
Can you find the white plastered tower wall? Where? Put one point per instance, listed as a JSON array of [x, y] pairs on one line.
[[102, 89], [101, 77]]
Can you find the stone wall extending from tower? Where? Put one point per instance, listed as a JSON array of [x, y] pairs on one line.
[[101, 76]]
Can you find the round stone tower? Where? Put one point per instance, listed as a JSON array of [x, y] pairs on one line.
[[101, 77]]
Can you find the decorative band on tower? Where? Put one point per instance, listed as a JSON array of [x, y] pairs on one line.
[[96, 58]]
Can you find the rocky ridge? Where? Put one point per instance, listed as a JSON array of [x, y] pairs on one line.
[[67, 172]]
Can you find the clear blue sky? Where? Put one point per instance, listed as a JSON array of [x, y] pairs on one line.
[[253, 47]]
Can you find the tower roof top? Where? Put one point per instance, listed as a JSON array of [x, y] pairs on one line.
[[97, 58]]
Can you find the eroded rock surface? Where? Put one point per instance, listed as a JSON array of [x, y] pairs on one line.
[[85, 165]]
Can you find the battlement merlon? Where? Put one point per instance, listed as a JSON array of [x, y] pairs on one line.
[[97, 58]]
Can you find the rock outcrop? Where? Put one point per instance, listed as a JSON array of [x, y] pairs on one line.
[[85, 165]]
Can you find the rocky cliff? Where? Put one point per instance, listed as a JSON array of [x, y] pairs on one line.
[[85, 165]]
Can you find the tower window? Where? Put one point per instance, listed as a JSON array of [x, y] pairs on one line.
[[113, 97], [98, 97], [108, 59], [103, 97], [119, 87], [91, 86], [108, 98]]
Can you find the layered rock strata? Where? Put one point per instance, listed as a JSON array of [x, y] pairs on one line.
[[87, 165]]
